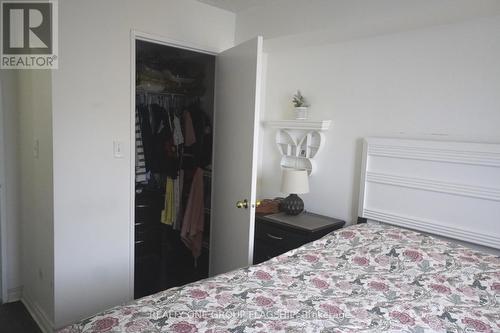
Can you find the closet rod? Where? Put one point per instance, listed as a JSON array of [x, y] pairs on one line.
[[141, 91]]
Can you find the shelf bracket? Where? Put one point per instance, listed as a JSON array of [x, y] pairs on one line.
[[299, 142]]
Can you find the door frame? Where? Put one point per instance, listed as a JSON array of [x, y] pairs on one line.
[[3, 215], [162, 40]]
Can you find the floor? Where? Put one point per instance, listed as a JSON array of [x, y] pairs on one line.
[[14, 318]]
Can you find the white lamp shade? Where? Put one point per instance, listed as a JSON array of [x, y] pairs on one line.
[[294, 181]]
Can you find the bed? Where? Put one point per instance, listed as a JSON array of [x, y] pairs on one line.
[[370, 277], [364, 278]]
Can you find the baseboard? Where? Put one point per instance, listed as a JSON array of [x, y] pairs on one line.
[[39, 316], [14, 294]]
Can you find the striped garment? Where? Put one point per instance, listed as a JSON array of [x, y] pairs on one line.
[[140, 161]]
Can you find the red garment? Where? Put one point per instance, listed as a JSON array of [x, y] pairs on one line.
[[194, 216], [189, 134]]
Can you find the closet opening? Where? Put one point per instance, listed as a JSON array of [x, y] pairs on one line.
[[174, 107]]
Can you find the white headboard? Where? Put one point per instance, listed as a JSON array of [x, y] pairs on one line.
[[450, 189]]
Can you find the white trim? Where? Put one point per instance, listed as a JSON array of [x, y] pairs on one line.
[[3, 243], [255, 148], [214, 176], [433, 227], [162, 40], [4, 287], [133, 36], [38, 315], [473, 191], [362, 182], [14, 294], [449, 155], [158, 39]]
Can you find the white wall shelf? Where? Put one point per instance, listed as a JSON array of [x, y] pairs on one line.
[[299, 141], [319, 125]]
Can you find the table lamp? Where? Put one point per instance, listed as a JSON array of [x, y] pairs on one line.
[[294, 182]]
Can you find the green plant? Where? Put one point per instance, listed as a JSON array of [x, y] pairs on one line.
[[299, 100]]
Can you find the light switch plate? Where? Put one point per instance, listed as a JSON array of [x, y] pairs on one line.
[[36, 148], [118, 149]]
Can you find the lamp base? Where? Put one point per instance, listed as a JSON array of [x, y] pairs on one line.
[[292, 205]]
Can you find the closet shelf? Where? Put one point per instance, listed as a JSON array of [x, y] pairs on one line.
[[318, 125], [158, 93]]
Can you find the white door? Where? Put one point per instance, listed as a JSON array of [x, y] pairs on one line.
[[236, 124]]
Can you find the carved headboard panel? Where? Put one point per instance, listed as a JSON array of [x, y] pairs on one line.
[[450, 189]]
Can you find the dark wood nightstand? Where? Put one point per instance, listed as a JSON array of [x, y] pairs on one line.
[[278, 233]]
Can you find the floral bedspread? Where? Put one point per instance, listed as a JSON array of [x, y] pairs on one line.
[[364, 278]]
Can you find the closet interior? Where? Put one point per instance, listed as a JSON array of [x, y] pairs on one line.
[[174, 117]]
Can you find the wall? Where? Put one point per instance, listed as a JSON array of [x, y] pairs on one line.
[[439, 82], [10, 184], [36, 191], [91, 109], [26, 111]]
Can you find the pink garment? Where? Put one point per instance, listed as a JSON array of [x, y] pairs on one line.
[[190, 137], [194, 216]]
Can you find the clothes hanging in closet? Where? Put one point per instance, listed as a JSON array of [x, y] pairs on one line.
[[172, 212], [188, 126], [169, 212], [140, 160], [178, 187], [199, 153], [177, 131], [146, 134], [171, 151], [194, 216], [165, 157]]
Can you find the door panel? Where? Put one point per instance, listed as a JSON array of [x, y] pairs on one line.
[[236, 124]]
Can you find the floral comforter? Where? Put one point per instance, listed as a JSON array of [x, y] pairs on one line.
[[364, 278]]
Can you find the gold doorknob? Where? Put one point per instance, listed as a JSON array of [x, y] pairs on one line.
[[242, 204], [245, 204]]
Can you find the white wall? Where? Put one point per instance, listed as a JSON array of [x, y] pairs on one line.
[[10, 183], [440, 82], [91, 108], [36, 190]]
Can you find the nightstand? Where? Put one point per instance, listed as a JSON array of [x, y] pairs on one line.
[[278, 233]]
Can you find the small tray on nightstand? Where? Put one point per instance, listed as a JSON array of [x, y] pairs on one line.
[[305, 221]]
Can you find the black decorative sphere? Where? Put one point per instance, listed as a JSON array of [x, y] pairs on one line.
[[292, 205]]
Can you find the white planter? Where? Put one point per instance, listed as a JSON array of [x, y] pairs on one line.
[[301, 112]]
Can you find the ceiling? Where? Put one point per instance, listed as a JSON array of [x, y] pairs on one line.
[[296, 23], [236, 6]]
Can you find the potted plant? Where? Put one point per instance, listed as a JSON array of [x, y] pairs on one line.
[[300, 104]]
